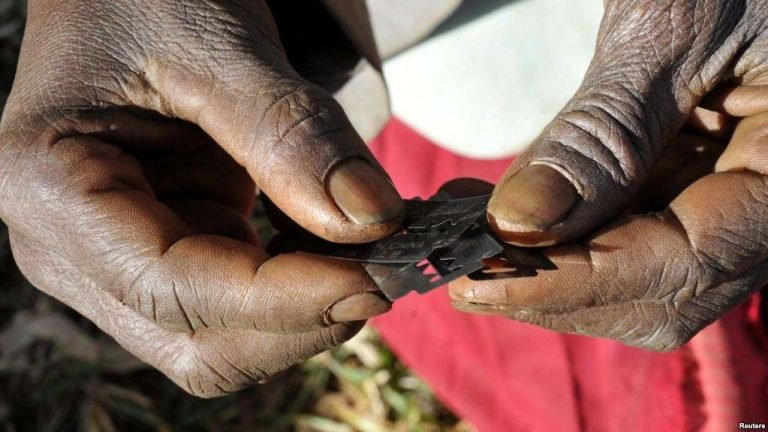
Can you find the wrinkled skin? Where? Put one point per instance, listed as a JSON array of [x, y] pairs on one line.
[[651, 128], [131, 148], [137, 133]]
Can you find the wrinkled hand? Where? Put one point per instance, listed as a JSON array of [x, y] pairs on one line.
[[650, 129], [130, 152]]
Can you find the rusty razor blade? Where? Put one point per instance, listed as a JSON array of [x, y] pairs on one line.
[[443, 239]]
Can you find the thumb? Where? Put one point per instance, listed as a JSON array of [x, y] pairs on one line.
[[648, 74], [293, 138]]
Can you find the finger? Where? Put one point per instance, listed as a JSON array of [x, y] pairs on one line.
[[691, 157], [218, 362], [711, 123], [589, 163], [467, 188], [292, 136], [232, 79], [206, 173], [738, 100], [648, 281], [655, 280], [136, 248], [140, 133], [457, 188], [746, 151], [206, 217], [280, 221], [177, 158], [207, 362]]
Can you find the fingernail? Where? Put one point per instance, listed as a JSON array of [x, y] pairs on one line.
[[533, 200], [358, 307], [363, 194]]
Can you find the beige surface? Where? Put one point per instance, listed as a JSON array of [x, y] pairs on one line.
[[398, 24], [487, 88], [365, 100]]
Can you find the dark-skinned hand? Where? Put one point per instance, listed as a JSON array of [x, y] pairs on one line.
[[651, 128], [131, 148]]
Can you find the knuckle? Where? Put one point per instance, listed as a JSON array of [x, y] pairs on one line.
[[721, 253], [158, 295], [332, 337], [296, 122], [675, 339], [668, 340], [730, 238], [297, 109], [209, 24], [11, 169], [608, 130], [600, 139], [670, 330], [199, 377], [561, 322]]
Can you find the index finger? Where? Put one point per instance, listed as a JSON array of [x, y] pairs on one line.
[[102, 218]]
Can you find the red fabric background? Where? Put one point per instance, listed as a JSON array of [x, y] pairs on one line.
[[506, 376]]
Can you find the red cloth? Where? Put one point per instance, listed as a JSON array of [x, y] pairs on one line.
[[507, 376]]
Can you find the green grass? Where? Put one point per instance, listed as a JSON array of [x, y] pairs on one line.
[[60, 373]]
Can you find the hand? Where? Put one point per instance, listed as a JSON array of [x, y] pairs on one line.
[[130, 152], [656, 109]]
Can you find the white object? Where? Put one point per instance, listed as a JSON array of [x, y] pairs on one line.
[[487, 88], [398, 24]]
